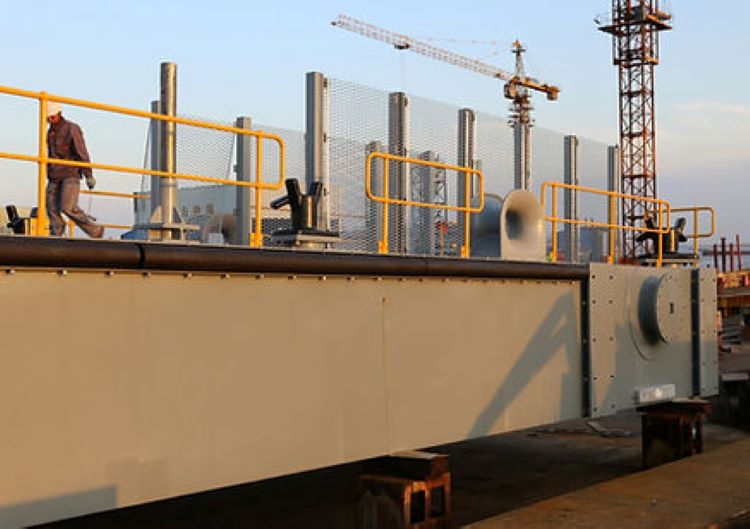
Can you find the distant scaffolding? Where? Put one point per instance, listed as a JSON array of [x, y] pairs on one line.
[[635, 27]]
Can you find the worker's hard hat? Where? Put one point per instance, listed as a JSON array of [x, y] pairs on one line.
[[53, 108]]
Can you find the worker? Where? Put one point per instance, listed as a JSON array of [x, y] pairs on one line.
[[65, 142]]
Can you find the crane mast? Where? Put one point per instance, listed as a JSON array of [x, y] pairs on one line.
[[520, 120], [517, 84], [635, 26]]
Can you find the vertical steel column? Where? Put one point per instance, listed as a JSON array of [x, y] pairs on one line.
[[374, 217], [166, 223], [614, 184], [244, 171], [317, 118], [467, 148], [570, 175], [168, 186], [155, 155], [400, 184], [522, 156]]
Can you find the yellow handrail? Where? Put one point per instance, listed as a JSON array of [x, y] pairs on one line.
[[663, 208], [42, 158], [466, 209], [115, 194], [696, 234]]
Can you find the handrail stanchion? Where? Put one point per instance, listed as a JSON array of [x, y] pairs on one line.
[[383, 246], [41, 227], [256, 241], [660, 238], [466, 248], [554, 225]]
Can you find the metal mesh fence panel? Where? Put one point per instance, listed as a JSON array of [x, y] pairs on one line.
[[547, 156], [592, 172], [213, 207], [202, 152], [547, 164], [433, 137], [294, 141], [495, 153], [358, 126], [18, 180]]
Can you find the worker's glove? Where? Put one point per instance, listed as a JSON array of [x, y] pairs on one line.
[[91, 182]]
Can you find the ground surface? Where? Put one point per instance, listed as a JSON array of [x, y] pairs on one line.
[[706, 491], [491, 476]]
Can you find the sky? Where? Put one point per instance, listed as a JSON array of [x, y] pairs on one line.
[[249, 58]]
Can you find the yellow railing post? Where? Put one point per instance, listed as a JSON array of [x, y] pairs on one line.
[[41, 227], [660, 238], [466, 248], [383, 244], [256, 241], [553, 257]]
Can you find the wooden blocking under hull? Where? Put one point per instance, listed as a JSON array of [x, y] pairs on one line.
[[672, 431], [412, 490]]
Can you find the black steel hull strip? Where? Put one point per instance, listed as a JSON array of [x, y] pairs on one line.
[[138, 255]]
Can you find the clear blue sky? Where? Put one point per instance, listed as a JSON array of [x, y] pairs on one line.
[[249, 57]]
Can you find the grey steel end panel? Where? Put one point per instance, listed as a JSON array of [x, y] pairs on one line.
[[704, 333], [641, 335]]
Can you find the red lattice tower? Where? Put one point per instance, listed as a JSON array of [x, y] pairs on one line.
[[635, 27]]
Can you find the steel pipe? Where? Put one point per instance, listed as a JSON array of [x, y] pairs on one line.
[[137, 255]]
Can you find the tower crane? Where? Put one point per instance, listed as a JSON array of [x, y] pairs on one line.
[[635, 26], [517, 85]]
